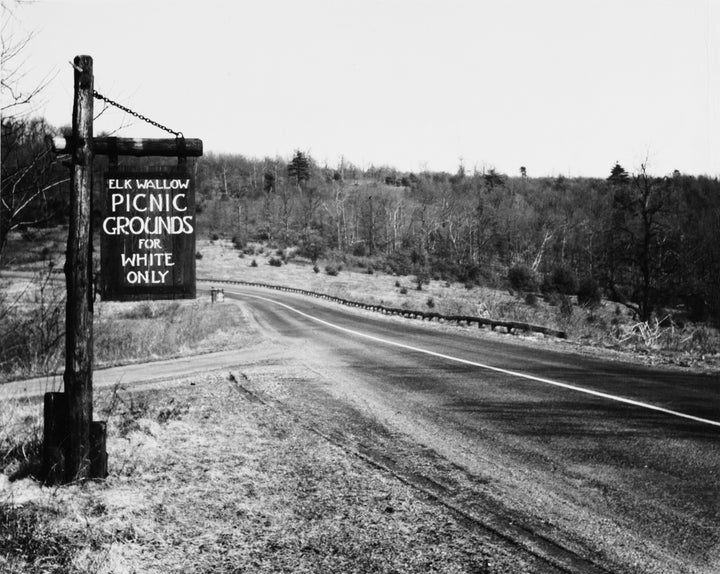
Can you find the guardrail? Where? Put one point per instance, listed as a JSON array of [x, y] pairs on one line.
[[509, 326]]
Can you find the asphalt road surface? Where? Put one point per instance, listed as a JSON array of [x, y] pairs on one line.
[[613, 463]]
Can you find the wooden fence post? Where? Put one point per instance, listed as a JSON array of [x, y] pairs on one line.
[[78, 272]]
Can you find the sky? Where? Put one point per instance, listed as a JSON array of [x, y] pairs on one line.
[[558, 86]]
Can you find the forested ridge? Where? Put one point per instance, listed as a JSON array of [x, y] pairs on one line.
[[650, 242]]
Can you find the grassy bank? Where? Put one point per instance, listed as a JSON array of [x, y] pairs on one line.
[[204, 480]]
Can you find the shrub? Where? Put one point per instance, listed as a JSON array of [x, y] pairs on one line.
[[198, 255], [430, 302], [253, 263], [359, 249], [215, 237], [421, 276], [399, 263], [331, 270], [370, 270], [522, 278], [313, 247], [588, 293], [560, 280], [397, 283], [275, 262], [698, 308], [553, 299], [566, 308], [316, 269], [403, 291], [531, 299]]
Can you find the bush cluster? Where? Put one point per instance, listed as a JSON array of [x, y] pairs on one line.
[[522, 278], [560, 280], [588, 293]]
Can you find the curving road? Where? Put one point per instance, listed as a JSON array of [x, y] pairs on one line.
[[615, 463]]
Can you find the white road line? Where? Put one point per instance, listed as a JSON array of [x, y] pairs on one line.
[[489, 367]]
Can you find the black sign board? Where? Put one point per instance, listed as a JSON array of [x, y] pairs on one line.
[[148, 236]]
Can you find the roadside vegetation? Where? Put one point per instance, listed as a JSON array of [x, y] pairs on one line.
[[203, 480]]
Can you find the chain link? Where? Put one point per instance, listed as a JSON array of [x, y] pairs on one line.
[[137, 115]]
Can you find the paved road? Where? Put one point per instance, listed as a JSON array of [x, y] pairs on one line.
[[619, 462]]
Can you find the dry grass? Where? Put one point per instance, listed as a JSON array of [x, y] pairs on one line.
[[208, 482], [33, 326], [151, 330]]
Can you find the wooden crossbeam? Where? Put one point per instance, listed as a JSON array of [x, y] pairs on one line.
[[138, 147]]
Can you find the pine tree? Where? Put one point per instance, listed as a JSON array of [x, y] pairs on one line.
[[618, 175], [299, 168]]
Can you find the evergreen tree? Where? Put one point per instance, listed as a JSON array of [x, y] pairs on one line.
[[299, 168], [618, 175]]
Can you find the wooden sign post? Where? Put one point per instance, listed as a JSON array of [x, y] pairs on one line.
[[78, 274], [74, 445]]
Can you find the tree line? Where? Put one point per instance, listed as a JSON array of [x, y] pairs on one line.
[[649, 242], [646, 241]]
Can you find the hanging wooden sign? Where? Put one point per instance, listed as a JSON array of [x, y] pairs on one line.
[[148, 236], [148, 252]]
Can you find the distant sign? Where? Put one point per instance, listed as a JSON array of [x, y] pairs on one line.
[[148, 237]]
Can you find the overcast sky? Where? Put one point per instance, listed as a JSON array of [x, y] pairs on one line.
[[559, 86]]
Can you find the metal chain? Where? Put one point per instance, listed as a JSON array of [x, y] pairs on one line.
[[137, 115]]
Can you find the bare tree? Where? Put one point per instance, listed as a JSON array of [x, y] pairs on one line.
[[17, 99], [639, 210], [29, 174]]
